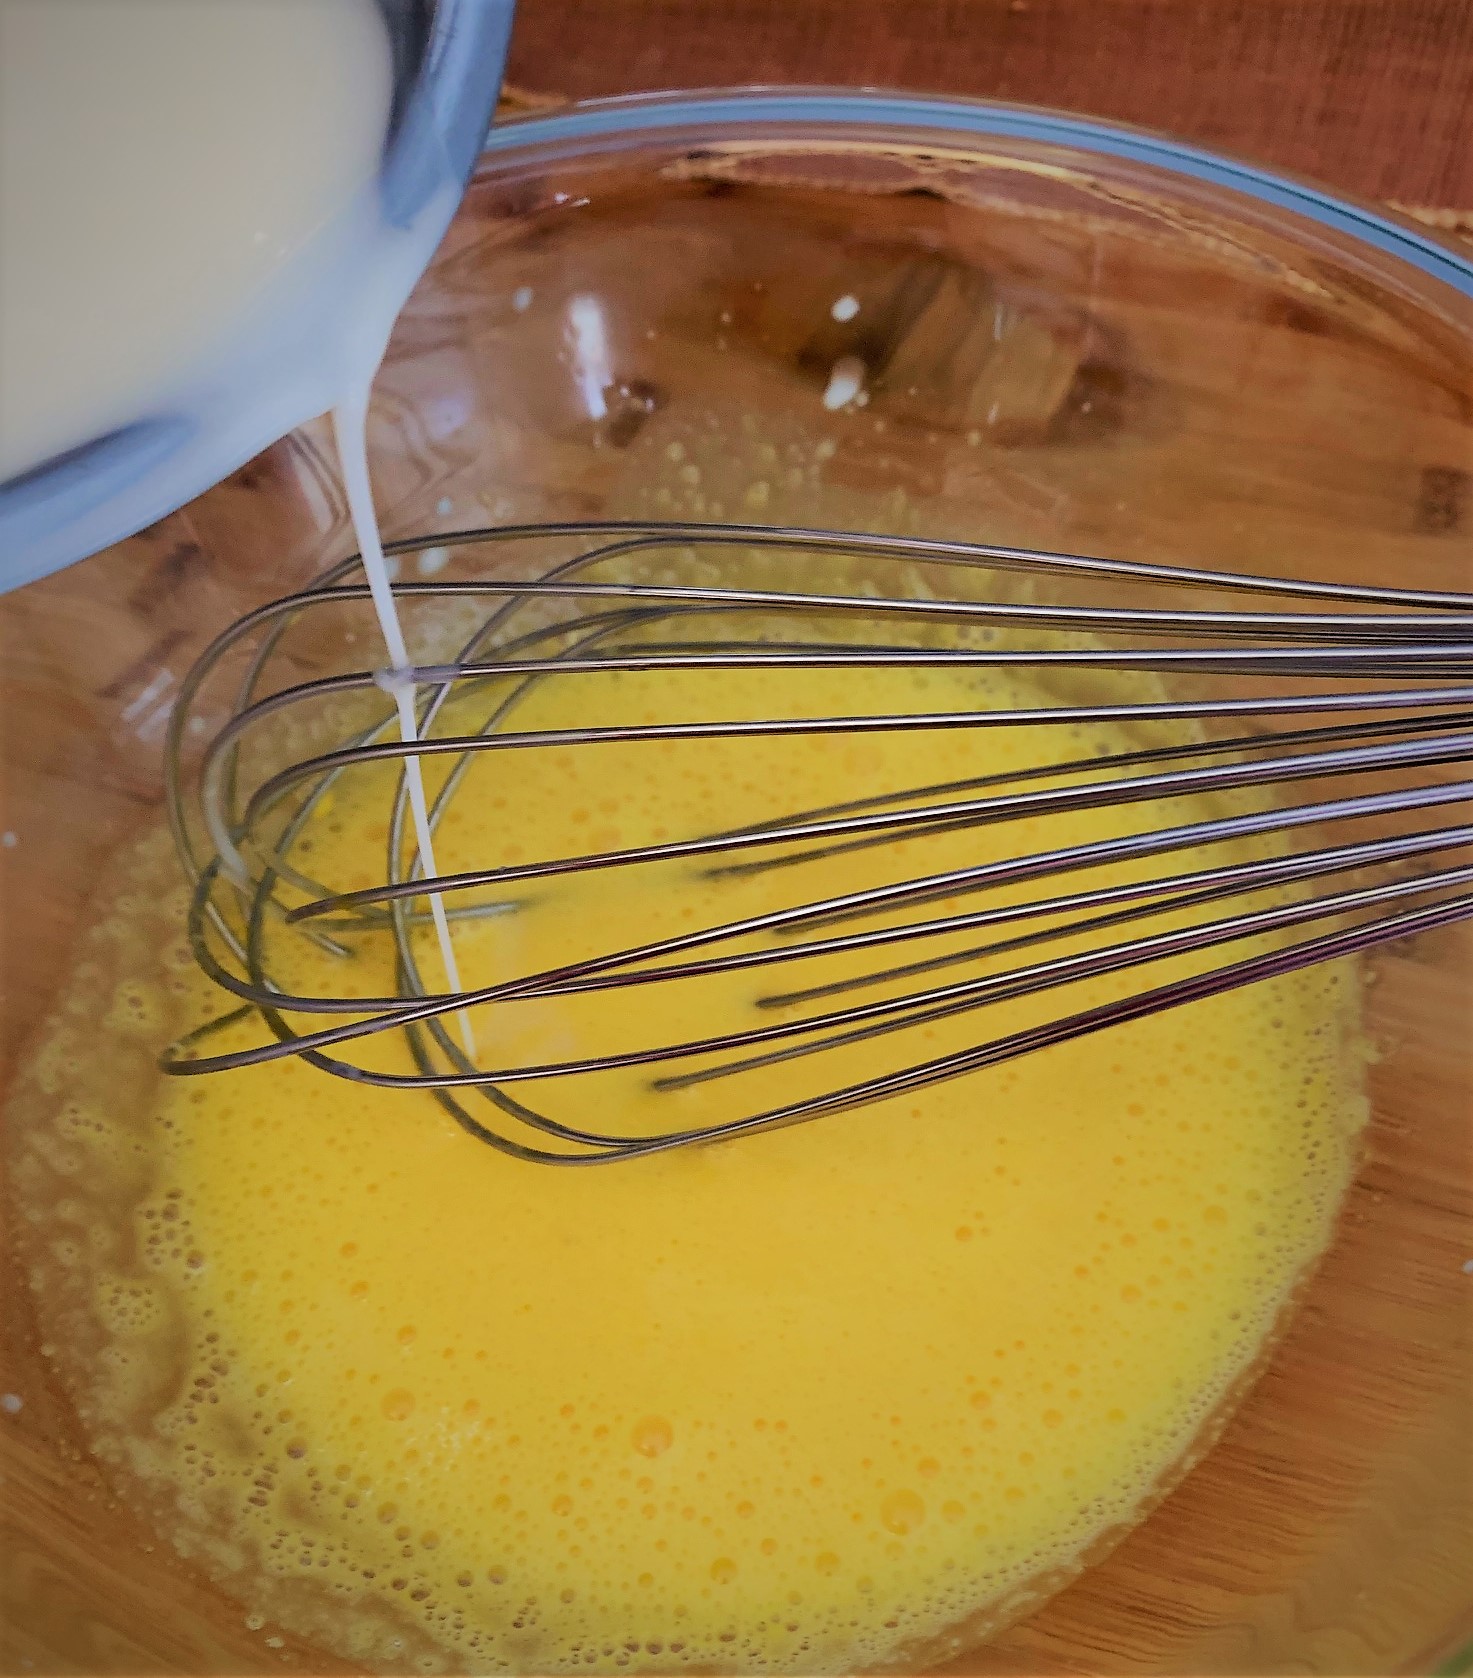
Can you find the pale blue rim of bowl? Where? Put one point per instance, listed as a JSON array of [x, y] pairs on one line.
[[873, 109]]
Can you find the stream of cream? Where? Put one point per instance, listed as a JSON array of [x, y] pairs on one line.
[[349, 420]]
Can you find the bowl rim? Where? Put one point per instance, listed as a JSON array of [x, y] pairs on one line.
[[630, 115]]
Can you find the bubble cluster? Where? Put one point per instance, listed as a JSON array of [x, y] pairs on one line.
[[792, 1405]]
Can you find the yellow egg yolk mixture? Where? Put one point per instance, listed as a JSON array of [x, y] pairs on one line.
[[803, 1402]]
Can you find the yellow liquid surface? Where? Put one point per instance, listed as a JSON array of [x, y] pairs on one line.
[[794, 1403]]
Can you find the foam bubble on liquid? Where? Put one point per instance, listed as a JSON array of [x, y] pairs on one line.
[[439, 1413], [783, 1406]]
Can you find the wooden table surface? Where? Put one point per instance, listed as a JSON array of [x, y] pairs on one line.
[[1372, 96]]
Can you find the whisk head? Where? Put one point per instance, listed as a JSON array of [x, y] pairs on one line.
[[1268, 774]]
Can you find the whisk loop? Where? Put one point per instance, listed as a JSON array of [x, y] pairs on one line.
[[1356, 711]]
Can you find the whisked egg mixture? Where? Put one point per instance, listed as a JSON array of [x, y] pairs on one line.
[[806, 1402]]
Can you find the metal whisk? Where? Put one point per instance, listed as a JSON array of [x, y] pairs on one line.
[[1335, 716]]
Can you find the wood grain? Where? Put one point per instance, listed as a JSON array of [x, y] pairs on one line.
[[1372, 96]]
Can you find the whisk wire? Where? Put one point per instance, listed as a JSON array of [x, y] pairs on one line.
[[254, 883]]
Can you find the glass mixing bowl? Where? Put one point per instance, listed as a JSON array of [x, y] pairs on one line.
[[954, 319]]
